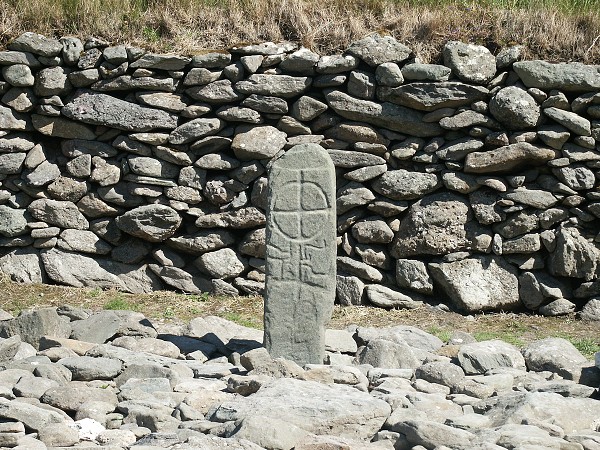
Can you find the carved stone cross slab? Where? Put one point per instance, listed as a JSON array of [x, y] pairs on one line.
[[301, 254]]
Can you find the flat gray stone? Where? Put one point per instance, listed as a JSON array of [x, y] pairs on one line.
[[570, 77], [433, 96], [510, 157], [301, 201], [37, 44], [284, 86], [314, 407], [376, 49], [478, 284], [479, 357], [61, 128], [570, 120], [405, 185], [86, 368], [386, 115], [32, 325], [101, 109], [556, 355], [162, 62]]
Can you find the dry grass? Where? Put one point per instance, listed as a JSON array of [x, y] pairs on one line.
[[518, 329], [550, 29]]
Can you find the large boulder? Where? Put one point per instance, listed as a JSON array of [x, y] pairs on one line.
[[23, 265], [515, 108], [76, 270], [482, 283], [435, 225], [314, 407], [574, 256]]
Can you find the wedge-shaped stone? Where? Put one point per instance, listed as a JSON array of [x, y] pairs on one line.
[[37, 44], [318, 408], [195, 129], [33, 417], [8, 58], [284, 86], [10, 120], [153, 223], [59, 213], [102, 109], [432, 96], [386, 115], [571, 77], [61, 128], [163, 62], [83, 271], [478, 284], [507, 158]]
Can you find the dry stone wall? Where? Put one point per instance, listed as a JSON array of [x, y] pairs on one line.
[[474, 182]]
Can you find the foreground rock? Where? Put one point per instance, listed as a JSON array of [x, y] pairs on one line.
[[113, 380]]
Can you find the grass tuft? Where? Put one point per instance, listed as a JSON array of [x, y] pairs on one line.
[[550, 29]]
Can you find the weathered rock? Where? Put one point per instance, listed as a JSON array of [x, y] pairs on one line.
[[556, 355], [510, 157], [437, 224], [60, 213], [479, 357], [574, 255], [387, 115], [471, 63], [573, 122], [194, 130], [314, 407], [258, 143], [433, 96], [32, 325], [223, 263], [515, 108], [285, 86], [36, 44], [153, 223], [571, 77], [478, 284], [101, 109], [385, 297], [412, 274], [404, 185], [22, 266]]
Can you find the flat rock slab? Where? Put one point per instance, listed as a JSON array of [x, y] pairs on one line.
[[301, 255], [102, 109], [572, 77], [387, 115], [314, 407]]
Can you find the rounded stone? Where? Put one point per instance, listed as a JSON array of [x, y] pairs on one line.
[[223, 263], [515, 108]]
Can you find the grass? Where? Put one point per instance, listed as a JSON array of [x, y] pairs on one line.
[[550, 29], [167, 306]]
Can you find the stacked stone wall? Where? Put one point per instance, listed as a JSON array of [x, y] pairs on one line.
[[472, 182]]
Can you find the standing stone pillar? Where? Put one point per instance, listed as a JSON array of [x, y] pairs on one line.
[[301, 254]]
